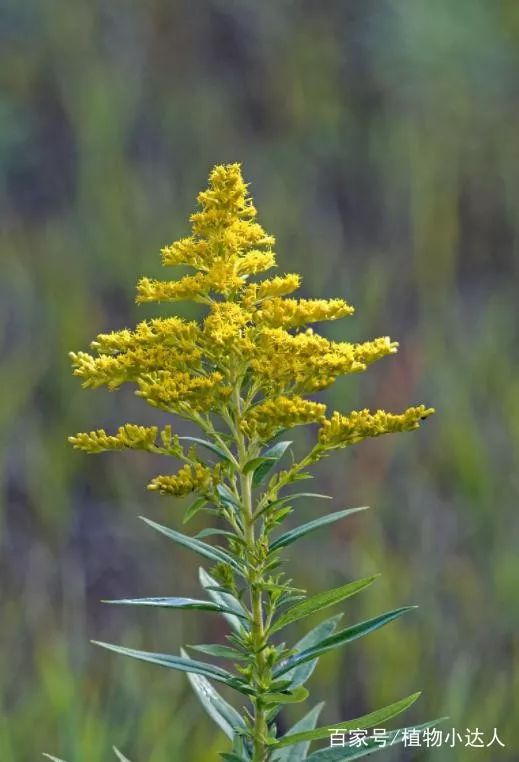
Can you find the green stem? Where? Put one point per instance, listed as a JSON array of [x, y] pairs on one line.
[[258, 631], [254, 582]]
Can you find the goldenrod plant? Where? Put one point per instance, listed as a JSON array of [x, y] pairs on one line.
[[246, 374]]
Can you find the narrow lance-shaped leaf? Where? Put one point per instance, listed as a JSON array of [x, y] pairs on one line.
[[295, 534], [300, 674], [210, 446], [181, 664], [262, 465], [298, 751], [176, 603], [193, 509], [371, 720], [342, 637], [218, 650], [225, 600], [227, 496], [54, 759], [280, 501], [225, 716], [202, 548], [321, 601], [370, 745]]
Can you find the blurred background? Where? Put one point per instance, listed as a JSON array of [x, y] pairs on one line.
[[381, 143]]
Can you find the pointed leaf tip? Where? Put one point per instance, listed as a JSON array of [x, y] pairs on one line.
[[183, 665], [321, 601], [373, 719], [202, 548], [120, 756], [303, 529], [340, 638]]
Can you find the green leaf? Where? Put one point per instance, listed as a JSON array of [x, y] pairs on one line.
[[299, 750], [371, 720], [253, 464], [231, 757], [289, 697], [181, 664], [54, 759], [215, 649], [193, 509], [225, 716], [176, 603], [300, 674], [288, 499], [342, 637], [321, 601], [215, 554], [119, 755], [298, 496], [266, 462], [372, 746], [295, 534], [227, 496], [225, 600], [210, 446], [212, 531]]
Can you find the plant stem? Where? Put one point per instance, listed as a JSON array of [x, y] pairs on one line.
[[257, 618], [254, 580]]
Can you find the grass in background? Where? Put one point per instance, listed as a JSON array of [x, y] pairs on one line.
[[381, 143]]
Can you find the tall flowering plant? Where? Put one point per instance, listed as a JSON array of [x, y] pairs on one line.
[[246, 374]]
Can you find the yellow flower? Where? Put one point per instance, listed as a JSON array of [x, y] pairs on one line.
[[191, 288], [228, 327], [308, 362], [343, 430], [255, 262], [248, 365], [291, 313], [278, 286], [267, 418], [186, 480], [187, 251], [179, 392], [172, 331], [130, 437]]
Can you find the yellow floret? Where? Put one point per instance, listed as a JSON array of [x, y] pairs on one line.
[[187, 251], [255, 262], [278, 286], [186, 480], [190, 287], [343, 430], [177, 392], [128, 436], [266, 419], [290, 313]]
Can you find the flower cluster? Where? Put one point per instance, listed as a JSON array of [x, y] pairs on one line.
[[254, 337], [292, 313], [266, 419], [128, 436], [183, 393], [343, 430], [187, 479]]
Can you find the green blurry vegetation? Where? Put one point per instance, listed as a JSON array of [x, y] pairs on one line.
[[381, 142]]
